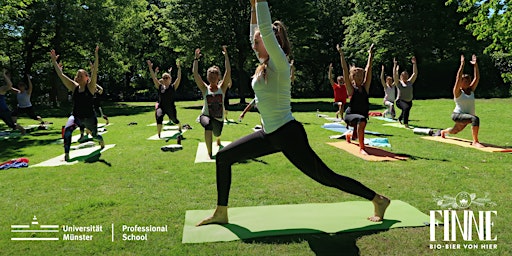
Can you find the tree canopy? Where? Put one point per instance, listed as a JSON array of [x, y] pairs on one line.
[[131, 31]]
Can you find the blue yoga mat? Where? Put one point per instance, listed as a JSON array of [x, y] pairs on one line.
[[342, 129]]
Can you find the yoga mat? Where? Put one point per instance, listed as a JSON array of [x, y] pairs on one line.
[[76, 155], [374, 154], [384, 119], [467, 144], [398, 125], [278, 220], [202, 151], [166, 135], [336, 127]]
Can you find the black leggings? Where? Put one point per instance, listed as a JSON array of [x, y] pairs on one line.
[[291, 139], [405, 106]]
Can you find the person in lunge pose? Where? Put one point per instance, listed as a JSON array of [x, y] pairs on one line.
[[281, 132], [464, 97], [5, 112], [24, 104], [212, 114], [389, 86], [358, 83], [83, 88], [166, 96], [405, 91], [340, 93]]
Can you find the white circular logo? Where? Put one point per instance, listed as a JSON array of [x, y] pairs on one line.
[[463, 200]]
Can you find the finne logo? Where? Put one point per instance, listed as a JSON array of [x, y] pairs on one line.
[[34, 232], [463, 228]]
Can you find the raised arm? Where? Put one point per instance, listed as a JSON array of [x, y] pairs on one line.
[[346, 74], [94, 72], [195, 67], [153, 74], [30, 87], [476, 73], [414, 75], [274, 50], [396, 78], [382, 79], [368, 69], [458, 80], [226, 80], [395, 67], [329, 75], [68, 82], [178, 79]]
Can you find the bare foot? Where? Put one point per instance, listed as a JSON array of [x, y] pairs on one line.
[[363, 152], [477, 144], [220, 216], [380, 204], [443, 134]]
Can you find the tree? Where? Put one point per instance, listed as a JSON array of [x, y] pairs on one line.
[[490, 21]]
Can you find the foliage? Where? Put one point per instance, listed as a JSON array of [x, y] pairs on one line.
[[164, 31], [490, 21]]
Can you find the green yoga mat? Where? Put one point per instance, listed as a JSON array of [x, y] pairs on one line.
[[277, 220]]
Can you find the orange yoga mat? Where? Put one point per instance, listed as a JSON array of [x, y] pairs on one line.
[[374, 154], [467, 143]]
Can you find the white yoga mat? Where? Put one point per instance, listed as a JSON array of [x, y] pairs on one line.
[[202, 151], [59, 160]]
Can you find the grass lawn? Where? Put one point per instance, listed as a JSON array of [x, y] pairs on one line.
[[135, 183]]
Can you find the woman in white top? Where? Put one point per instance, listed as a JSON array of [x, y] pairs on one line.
[[24, 104], [281, 132], [389, 85], [464, 96], [405, 90], [212, 114]]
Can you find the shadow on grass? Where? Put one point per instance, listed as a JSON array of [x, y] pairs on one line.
[[93, 157], [321, 243], [9, 148]]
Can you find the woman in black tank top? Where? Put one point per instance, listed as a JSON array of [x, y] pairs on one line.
[[358, 82], [83, 88]]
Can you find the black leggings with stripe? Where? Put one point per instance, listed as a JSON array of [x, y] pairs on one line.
[[291, 139]]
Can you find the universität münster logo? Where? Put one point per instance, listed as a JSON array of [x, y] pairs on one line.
[[34, 231]]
